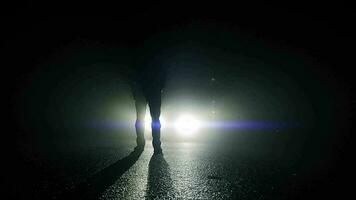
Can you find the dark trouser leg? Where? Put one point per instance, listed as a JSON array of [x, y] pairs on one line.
[[140, 104], [154, 102]]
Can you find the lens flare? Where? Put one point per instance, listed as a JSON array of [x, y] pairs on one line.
[[148, 121], [187, 124]]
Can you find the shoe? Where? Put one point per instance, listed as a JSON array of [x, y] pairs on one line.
[[140, 141], [140, 144], [157, 151], [139, 148]]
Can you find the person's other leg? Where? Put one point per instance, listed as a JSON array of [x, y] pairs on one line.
[[154, 102], [140, 105]]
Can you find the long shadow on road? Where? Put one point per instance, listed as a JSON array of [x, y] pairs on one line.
[[159, 181], [93, 187]]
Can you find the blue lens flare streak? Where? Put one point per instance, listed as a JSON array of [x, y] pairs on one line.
[[248, 124], [216, 124]]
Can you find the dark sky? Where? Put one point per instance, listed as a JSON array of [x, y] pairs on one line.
[[34, 31], [321, 30]]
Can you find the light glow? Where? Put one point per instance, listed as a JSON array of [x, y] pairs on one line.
[[187, 125]]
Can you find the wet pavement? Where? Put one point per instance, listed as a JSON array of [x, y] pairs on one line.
[[186, 170]]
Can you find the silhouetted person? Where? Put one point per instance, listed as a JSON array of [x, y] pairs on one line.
[[147, 82]]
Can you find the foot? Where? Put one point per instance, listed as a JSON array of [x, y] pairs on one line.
[[139, 148], [157, 151], [140, 144], [140, 141]]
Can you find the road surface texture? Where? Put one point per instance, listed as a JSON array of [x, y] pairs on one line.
[[186, 170]]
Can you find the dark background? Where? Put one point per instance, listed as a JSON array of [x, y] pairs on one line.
[[32, 33]]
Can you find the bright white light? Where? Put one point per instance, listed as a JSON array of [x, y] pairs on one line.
[[187, 125], [148, 121]]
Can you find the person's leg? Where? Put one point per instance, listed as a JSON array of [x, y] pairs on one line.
[[140, 104], [154, 102]]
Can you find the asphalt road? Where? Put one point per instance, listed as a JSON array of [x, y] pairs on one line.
[[193, 171], [186, 170]]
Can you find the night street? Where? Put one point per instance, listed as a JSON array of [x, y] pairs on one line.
[[246, 100]]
